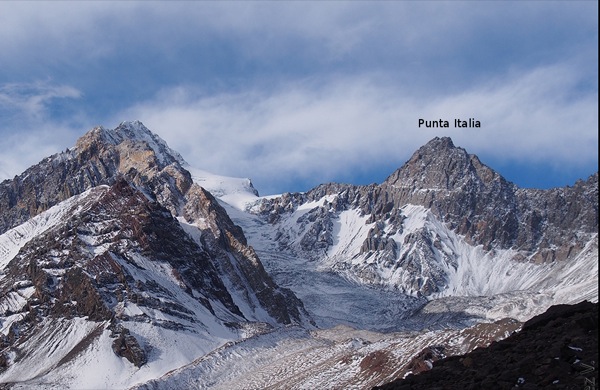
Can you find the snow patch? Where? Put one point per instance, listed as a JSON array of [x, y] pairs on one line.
[[16, 238], [237, 192]]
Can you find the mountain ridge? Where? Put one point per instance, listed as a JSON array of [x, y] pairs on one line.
[[115, 245]]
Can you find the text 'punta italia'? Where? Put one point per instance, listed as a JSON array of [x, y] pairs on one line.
[[471, 122]]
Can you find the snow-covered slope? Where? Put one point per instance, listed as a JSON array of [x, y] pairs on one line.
[[335, 358], [13, 240], [237, 192], [141, 293]]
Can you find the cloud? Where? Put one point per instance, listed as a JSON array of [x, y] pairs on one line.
[[389, 35], [32, 99], [26, 147], [539, 116], [318, 129], [305, 92], [30, 127]]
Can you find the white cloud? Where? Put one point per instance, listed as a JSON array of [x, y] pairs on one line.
[[27, 146], [32, 99], [320, 129], [321, 88], [536, 117], [28, 129]]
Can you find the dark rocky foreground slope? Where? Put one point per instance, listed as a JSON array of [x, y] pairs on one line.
[[554, 350]]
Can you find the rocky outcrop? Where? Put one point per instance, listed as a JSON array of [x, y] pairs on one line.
[[423, 361], [318, 233], [127, 346], [246, 273]]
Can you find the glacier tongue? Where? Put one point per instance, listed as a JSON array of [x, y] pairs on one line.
[[335, 358]]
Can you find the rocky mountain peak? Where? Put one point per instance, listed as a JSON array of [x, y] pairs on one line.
[[458, 188], [438, 143], [128, 135], [98, 158], [439, 165]]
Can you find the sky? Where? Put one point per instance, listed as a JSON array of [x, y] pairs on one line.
[[295, 94]]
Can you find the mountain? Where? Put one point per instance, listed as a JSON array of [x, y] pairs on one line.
[[117, 254], [443, 227], [109, 250]]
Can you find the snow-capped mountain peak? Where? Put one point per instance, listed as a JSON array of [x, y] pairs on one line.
[[237, 192], [134, 132], [114, 240], [440, 165]]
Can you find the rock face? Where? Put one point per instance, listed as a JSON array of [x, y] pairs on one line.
[[557, 349], [115, 232], [413, 231], [481, 205], [126, 345]]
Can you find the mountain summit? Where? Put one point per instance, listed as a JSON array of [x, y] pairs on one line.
[[444, 224], [439, 165], [480, 204]]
